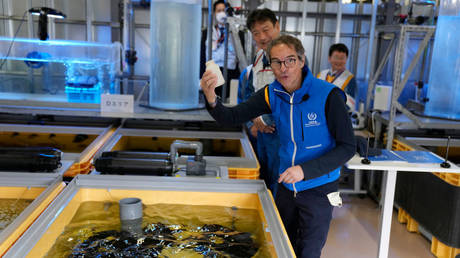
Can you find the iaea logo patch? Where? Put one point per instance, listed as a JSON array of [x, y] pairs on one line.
[[312, 116]]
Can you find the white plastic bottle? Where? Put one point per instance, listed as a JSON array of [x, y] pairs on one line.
[[211, 66]]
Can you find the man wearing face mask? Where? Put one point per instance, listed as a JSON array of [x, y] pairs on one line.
[[218, 45], [338, 73]]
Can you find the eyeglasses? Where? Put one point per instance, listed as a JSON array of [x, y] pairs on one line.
[[338, 58], [288, 63]]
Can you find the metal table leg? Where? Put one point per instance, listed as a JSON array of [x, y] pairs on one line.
[[389, 185]]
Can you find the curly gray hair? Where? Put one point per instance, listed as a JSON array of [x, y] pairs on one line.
[[291, 42]]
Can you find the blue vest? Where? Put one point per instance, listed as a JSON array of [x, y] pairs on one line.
[[302, 127]]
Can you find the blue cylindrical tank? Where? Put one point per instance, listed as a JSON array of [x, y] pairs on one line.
[[175, 53], [444, 83]]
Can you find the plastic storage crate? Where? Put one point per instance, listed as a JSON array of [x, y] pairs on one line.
[[451, 178], [405, 218], [443, 251], [439, 249], [83, 94]]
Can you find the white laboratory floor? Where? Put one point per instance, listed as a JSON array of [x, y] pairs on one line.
[[354, 233]]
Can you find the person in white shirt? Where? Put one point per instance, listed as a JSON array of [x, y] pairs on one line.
[[218, 45]]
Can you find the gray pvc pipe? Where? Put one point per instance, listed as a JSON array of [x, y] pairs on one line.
[[130, 208], [131, 215], [179, 144], [209, 30]]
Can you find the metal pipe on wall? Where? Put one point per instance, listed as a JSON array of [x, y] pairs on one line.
[[96, 23], [242, 58], [339, 21], [51, 23], [319, 45], [356, 41], [283, 8], [89, 20], [329, 34], [325, 15], [203, 18], [30, 21], [116, 25], [315, 42], [209, 36], [224, 87], [125, 24], [304, 18], [132, 33], [129, 32], [9, 10], [65, 8], [9, 28], [370, 49]]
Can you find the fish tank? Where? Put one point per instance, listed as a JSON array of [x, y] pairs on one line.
[[58, 70], [172, 217], [23, 197]]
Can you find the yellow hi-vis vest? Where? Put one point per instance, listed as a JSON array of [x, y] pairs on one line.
[[341, 82]]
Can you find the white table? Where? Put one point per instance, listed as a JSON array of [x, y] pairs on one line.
[[389, 185]]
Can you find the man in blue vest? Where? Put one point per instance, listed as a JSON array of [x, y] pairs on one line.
[[316, 139], [264, 27]]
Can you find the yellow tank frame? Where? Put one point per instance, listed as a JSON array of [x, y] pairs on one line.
[[42, 198]]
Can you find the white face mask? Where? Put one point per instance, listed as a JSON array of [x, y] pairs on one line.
[[221, 17]]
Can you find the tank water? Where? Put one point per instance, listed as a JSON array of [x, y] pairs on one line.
[[444, 83], [58, 80], [169, 230], [175, 53]]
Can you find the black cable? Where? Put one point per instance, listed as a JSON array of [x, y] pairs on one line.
[[12, 41]]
